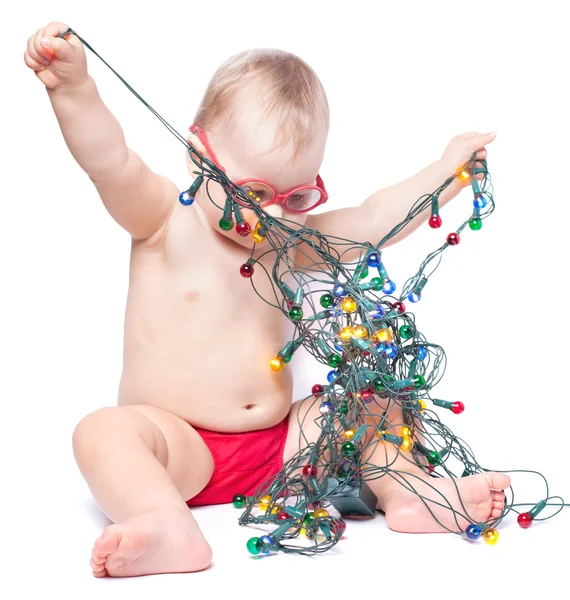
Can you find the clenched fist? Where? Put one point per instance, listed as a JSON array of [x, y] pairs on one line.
[[57, 62]]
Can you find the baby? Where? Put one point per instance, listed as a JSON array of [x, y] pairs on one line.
[[200, 415]]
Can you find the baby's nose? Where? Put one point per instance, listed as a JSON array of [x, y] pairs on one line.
[[275, 210]]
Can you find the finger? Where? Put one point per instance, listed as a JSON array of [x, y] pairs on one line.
[[33, 64], [482, 139], [481, 154], [32, 51], [55, 28], [61, 48]]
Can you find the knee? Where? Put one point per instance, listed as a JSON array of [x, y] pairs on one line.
[[93, 427], [106, 424]]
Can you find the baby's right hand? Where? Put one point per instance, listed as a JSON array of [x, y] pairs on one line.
[[59, 63]]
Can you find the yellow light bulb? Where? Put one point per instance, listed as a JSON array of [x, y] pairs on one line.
[[379, 433], [464, 175], [384, 335], [277, 508], [406, 431], [407, 444], [348, 433], [321, 512], [422, 404], [258, 239], [360, 332], [491, 536], [349, 305], [277, 364], [345, 334]]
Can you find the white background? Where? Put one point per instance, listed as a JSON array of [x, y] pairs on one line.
[[402, 79]]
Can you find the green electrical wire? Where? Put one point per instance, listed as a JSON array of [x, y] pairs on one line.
[[404, 380]]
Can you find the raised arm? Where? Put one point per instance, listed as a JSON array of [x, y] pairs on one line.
[[382, 211], [137, 198]]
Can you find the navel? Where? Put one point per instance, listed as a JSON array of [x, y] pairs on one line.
[[192, 295]]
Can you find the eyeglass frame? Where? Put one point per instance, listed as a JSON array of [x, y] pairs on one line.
[[277, 197]]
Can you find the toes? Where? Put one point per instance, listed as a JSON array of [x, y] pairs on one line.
[[108, 542], [498, 481], [99, 569]]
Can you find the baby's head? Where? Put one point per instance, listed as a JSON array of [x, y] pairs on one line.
[[265, 116]]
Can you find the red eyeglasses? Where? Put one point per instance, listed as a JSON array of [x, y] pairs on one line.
[[297, 200]]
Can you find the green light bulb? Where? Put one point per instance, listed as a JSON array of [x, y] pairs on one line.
[[239, 500], [327, 300], [334, 360], [475, 224], [349, 449], [254, 545], [226, 224], [296, 313]]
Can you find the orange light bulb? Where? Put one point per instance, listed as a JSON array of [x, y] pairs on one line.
[[349, 305], [277, 364], [360, 331]]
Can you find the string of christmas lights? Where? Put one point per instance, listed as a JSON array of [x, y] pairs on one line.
[[347, 316]]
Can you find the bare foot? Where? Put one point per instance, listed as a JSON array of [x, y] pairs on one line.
[[407, 513], [161, 541]]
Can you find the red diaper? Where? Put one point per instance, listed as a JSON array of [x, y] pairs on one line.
[[242, 462]]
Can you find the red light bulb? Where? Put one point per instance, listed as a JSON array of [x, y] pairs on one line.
[[310, 471], [243, 229], [246, 270], [435, 221], [457, 408], [400, 307], [317, 389], [367, 393], [453, 239], [524, 520], [283, 516]]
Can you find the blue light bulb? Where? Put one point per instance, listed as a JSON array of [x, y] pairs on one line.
[[388, 286], [332, 375], [339, 291], [413, 297], [373, 259], [472, 531], [185, 198], [268, 544], [479, 202], [391, 351], [421, 352], [326, 408]]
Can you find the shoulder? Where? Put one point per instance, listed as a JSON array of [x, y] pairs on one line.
[[180, 219]]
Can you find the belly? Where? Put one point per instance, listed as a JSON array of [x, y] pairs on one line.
[[204, 357]]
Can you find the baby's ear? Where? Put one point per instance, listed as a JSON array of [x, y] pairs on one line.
[[194, 140]]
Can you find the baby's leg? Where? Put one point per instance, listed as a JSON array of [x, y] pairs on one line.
[[465, 500], [404, 511], [142, 464]]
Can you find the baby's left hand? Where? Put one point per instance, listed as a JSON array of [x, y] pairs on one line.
[[461, 148]]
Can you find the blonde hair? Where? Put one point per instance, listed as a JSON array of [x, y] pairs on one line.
[[287, 85]]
